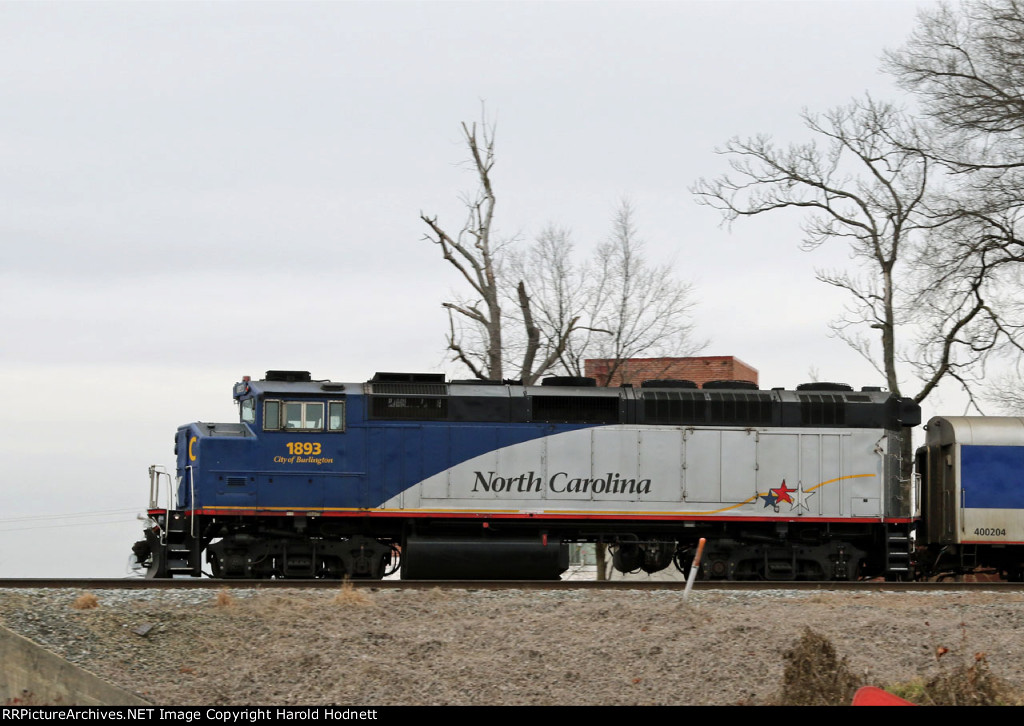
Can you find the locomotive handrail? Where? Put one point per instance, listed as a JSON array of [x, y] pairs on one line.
[[191, 501], [154, 487], [155, 472]]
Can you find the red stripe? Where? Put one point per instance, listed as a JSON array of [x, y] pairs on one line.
[[546, 516], [989, 542]]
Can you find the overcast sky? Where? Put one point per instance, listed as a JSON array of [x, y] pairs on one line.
[[192, 192]]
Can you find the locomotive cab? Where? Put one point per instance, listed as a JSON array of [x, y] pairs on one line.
[[259, 497]]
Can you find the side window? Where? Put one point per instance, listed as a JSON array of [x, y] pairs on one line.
[[303, 416], [336, 416], [271, 415], [313, 416], [249, 411], [293, 415]]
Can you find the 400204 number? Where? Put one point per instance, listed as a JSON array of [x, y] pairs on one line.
[[989, 532], [303, 448]]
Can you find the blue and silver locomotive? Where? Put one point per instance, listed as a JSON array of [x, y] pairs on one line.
[[478, 479]]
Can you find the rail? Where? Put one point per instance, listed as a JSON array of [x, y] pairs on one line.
[[700, 586]]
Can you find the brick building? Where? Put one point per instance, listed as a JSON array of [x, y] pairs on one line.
[[699, 369]]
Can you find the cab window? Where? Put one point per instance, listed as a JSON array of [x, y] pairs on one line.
[[249, 411]]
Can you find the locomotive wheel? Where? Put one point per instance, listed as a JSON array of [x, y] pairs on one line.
[[394, 561]]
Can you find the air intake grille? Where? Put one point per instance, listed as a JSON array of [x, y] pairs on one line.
[[672, 407], [740, 409], [411, 389], [822, 410]]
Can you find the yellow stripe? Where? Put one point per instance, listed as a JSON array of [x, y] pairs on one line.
[[757, 496], [851, 476]]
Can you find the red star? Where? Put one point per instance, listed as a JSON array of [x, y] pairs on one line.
[[782, 493]]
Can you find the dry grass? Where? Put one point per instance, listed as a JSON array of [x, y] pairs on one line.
[[968, 683], [224, 599], [815, 675], [86, 601], [965, 684], [348, 595], [278, 606]]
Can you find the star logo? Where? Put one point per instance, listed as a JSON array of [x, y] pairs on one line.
[[770, 500], [782, 493], [801, 498]]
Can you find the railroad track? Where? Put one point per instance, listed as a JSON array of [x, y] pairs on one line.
[[717, 586]]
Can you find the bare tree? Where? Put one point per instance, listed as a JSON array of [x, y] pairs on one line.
[[476, 335], [625, 307], [534, 310], [559, 294], [636, 308], [870, 185], [966, 65], [1006, 393], [858, 187]]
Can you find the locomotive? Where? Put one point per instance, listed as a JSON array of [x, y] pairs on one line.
[[494, 480]]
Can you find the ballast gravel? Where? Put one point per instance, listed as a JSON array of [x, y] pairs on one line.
[[382, 647]]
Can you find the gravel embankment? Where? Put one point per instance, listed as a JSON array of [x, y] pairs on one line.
[[483, 647]]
